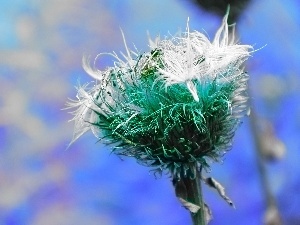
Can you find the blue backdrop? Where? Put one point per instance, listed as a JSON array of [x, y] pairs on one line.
[[42, 183]]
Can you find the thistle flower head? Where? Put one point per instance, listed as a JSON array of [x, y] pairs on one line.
[[177, 104]]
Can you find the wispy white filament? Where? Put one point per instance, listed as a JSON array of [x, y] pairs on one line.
[[193, 57]]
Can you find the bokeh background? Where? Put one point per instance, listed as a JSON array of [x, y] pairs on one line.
[[44, 183]]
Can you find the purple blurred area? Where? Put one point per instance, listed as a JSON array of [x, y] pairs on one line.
[[44, 183]]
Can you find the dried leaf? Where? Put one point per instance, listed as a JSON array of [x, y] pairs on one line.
[[272, 216], [181, 194], [272, 148], [189, 206], [211, 182], [180, 189], [207, 213]]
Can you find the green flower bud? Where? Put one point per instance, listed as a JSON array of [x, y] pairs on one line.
[[177, 104]]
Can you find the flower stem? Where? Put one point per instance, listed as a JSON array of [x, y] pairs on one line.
[[266, 189], [194, 195]]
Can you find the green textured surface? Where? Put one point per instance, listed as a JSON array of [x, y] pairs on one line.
[[165, 127]]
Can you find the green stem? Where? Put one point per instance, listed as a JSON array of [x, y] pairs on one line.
[[269, 197], [259, 159], [194, 195]]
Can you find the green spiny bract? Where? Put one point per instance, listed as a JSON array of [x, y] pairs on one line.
[[172, 107]]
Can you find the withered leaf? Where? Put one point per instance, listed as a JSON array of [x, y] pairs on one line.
[[211, 182], [189, 206]]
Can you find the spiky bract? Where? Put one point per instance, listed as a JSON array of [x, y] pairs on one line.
[[176, 105]]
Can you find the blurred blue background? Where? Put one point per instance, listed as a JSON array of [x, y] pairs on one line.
[[42, 183]]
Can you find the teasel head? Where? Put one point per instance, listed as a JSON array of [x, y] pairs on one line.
[[174, 106]]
